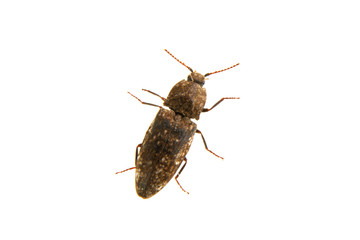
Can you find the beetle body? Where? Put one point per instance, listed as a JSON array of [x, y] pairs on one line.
[[165, 145]]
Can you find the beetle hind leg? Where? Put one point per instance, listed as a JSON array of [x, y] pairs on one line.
[[182, 168], [125, 170], [137, 152], [136, 157]]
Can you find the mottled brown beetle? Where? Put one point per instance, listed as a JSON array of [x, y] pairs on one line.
[[169, 137]]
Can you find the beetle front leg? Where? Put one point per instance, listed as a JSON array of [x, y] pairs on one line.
[[208, 109], [145, 103], [202, 136], [162, 98]]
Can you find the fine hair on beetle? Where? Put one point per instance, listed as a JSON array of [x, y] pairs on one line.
[[169, 137]]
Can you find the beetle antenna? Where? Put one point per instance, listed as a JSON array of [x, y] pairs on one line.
[[178, 60], [221, 70]]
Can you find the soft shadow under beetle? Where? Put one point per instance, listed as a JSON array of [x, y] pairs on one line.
[[169, 137]]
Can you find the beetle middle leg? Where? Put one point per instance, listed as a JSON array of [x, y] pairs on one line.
[[182, 168], [218, 102], [202, 136], [136, 157]]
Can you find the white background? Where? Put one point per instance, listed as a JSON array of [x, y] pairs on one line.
[[291, 143]]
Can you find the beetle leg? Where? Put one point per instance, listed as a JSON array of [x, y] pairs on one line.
[[137, 152], [182, 168], [146, 103], [162, 98], [136, 157], [126, 170], [208, 109], [202, 136]]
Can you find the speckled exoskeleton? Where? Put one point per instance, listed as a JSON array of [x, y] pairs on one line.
[[169, 137]]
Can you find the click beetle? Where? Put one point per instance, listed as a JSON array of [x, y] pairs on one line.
[[169, 137]]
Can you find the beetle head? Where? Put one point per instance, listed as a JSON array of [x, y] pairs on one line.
[[196, 77]]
